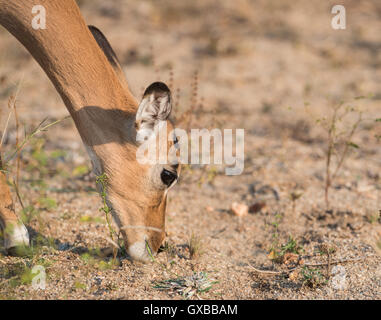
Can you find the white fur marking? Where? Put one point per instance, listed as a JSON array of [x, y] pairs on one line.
[[18, 237], [138, 251]]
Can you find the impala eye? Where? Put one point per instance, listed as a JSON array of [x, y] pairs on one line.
[[168, 177], [176, 143]]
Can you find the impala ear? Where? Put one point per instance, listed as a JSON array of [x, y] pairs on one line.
[[109, 53], [155, 106]]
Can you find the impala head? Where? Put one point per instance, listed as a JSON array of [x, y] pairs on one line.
[[107, 116], [137, 190], [144, 225], [137, 186]]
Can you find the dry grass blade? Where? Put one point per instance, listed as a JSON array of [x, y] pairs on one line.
[[11, 105], [187, 286], [195, 246], [15, 185], [265, 271], [40, 128], [5, 129], [18, 159]]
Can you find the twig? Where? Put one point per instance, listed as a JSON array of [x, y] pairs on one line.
[[38, 129], [265, 271], [112, 242], [5, 129], [17, 144], [333, 139], [346, 148], [328, 264], [308, 265], [217, 233], [330, 149], [334, 262]]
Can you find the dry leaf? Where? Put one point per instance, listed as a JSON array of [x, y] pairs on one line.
[[272, 255], [289, 258], [256, 207], [240, 209], [209, 208], [293, 276]]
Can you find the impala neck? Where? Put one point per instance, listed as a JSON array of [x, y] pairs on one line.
[[79, 70]]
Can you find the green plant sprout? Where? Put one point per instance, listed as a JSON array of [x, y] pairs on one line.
[[101, 180], [275, 237], [340, 133]]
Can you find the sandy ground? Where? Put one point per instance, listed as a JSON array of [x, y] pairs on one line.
[[270, 67]]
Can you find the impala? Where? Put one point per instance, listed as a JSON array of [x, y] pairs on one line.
[[86, 73]]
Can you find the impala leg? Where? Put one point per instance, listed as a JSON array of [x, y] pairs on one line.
[[14, 232]]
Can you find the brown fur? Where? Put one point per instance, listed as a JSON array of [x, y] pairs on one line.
[[96, 94]]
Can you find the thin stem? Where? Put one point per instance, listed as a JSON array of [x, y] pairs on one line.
[[18, 194], [37, 130], [330, 147], [347, 145], [17, 143], [102, 181]]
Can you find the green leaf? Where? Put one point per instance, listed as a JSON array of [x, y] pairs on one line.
[[79, 285], [47, 203], [85, 219], [41, 157], [27, 276], [58, 154], [80, 170], [353, 145]]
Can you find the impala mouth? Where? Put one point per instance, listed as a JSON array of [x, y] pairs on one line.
[[146, 246]]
